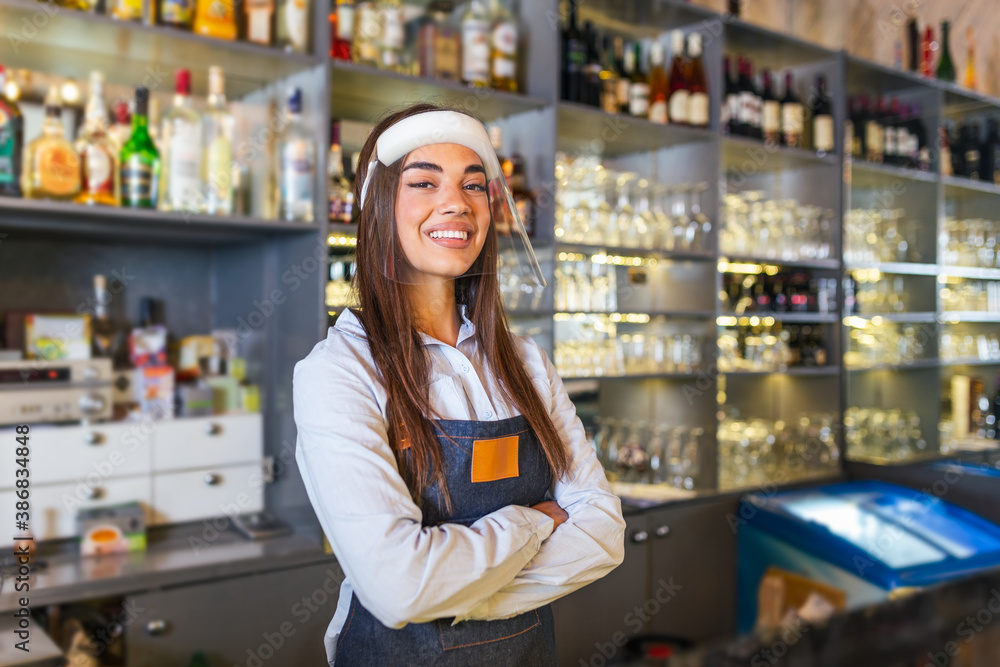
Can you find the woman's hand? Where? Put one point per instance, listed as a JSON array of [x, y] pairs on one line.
[[551, 509]]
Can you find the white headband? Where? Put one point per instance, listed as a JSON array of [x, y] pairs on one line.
[[432, 127]]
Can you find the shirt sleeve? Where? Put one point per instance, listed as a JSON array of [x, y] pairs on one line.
[[401, 572], [588, 545]]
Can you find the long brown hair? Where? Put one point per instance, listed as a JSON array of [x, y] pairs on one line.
[[395, 343]]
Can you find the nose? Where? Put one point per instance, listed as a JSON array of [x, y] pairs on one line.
[[453, 200]]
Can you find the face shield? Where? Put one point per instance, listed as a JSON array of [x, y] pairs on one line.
[[450, 192]]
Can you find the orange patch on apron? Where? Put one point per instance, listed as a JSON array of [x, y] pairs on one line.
[[494, 459]]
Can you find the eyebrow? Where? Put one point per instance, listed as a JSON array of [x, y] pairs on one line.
[[430, 166]]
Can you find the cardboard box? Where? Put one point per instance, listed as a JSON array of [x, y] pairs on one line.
[[111, 529]]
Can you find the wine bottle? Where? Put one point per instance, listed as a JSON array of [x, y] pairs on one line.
[[926, 55], [697, 84], [638, 92], [972, 148], [822, 118], [890, 149], [912, 44], [969, 80], [591, 68], [624, 75], [659, 89], [990, 151], [139, 160], [731, 103], [679, 90], [944, 151], [945, 68], [757, 105], [609, 76], [791, 115], [771, 123], [747, 100], [575, 56]]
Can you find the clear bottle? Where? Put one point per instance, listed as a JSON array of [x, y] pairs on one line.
[[367, 35], [503, 48], [11, 142], [476, 45], [679, 95], [659, 88], [97, 150], [219, 126], [293, 25], [439, 46], [139, 161], [342, 30], [181, 147], [391, 35], [697, 83], [51, 166], [341, 192], [296, 168], [822, 118], [259, 22]]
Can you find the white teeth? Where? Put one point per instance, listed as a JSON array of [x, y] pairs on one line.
[[449, 234]]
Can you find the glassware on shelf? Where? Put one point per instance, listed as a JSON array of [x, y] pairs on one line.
[[782, 229], [980, 296], [585, 286], [875, 342], [752, 451], [879, 235], [880, 435], [981, 346], [871, 292], [769, 347], [519, 292], [638, 452], [971, 242]]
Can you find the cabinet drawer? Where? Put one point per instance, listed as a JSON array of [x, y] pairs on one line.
[[201, 442], [90, 454], [197, 494], [52, 513]]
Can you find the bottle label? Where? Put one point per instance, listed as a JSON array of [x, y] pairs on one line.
[[345, 22], [184, 165], [447, 56], [638, 99], [295, 23], [259, 24], [747, 101], [503, 67], [137, 183], [732, 108], [392, 29], [58, 171], [505, 38], [891, 143], [658, 111], [128, 10], [98, 170], [178, 12], [220, 175], [476, 51], [823, 133], [623, 90], [698, 109], [679, 106], [772, 116], [7, 145], [873, 138], [368, 33], [297, 173], [791, 123]]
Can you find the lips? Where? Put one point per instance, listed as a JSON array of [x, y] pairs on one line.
[[457, 235]]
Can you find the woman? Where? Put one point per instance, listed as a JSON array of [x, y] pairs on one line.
[[442, 455]]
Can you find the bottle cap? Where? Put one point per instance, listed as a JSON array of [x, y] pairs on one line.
[[656, 52], [295, 100], [677, 43], [96, 80], [141, 100], [216, 81], [694, 45], [183, 82]]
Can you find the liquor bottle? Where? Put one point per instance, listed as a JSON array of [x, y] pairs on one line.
[[341, 192], [503, 48], [103, 330], [638, 92], [731, 102], [439, 45], [969, 81], [366, 35], [926, 54], [912, 44], [971, 149], [97, 150], [293, 25], [524, 199], [126, 10], [296, 166], [919, 132], [624, 75], [219, 126], [746, 94], [890, 124], [260, 22], [659, 89], [697, 84], [592, 85], [945, 68], [874, 139], [51, 166], [989, 152], [609, 76], [342, 30], [791, 115], [177, 13], [822, 118], [139, 161], [679, 90], [476, 45], [771, 120], [574, 57], [944, 155], [215, 18], [122, 128], [181, 145], [11, 142]]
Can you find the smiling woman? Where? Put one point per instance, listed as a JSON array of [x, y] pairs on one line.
[[441, 453]]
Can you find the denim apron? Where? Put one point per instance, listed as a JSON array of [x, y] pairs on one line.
[[488, 465]]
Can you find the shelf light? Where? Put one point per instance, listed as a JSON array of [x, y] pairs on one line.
[[341, 240], [750, 268], [855, 322], [867, 275], [12, 90], [726, 321]]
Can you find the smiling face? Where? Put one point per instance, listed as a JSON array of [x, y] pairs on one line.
[[442, 211]]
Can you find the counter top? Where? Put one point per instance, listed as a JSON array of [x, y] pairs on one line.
[[176, 554]]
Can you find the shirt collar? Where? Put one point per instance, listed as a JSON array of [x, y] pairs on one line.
[[348, 322]]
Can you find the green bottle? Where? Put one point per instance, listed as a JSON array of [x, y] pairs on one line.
[[140, 161], [946, 67]]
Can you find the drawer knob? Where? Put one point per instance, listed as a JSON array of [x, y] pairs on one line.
[[639, 536], [92, 403], [93, 438], [95, 493], [662, 531], [156, 628], [213, 429], [213, 479]]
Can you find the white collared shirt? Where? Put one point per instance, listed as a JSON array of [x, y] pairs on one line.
[[508, 562]]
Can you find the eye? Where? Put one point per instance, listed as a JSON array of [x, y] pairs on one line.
[[421, 184], [476, 187]]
